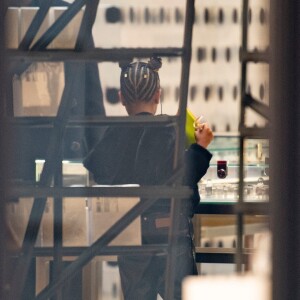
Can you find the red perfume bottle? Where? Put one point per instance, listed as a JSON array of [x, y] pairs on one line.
[[222, 169]]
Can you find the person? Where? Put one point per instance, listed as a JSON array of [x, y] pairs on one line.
[[144, 155]]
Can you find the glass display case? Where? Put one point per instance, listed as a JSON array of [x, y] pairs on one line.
[[216, 223], [221, 182]]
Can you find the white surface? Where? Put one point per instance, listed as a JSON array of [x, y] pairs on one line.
[[226, 288]]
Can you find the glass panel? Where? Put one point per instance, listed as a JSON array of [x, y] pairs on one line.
[[215, 231], [99, 279], [18, 216], [257, 243], [216, 235], [220, 184], [214, 188], [258, 29], [256, 170], [86, 219]]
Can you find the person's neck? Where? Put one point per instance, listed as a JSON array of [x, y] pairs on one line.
[[141, 108]]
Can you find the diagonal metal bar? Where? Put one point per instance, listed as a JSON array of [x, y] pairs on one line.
[[45, 180], [58, 25], [88, 20], [51, 33], [180, 142], [257, 106], [25, 44], [70, 271], [35, 25]]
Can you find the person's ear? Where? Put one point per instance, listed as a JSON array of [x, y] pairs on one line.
[[121, 98], [157, 96]]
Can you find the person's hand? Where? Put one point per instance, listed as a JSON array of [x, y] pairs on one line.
[[203, 135]]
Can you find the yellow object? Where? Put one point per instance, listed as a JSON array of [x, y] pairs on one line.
[[190, 127]]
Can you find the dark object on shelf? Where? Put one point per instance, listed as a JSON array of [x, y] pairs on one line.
[[222, 169]]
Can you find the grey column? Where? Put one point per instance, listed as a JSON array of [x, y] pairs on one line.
[[4, 158], [285, 146]]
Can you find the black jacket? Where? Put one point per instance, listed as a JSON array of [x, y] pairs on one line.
[[145, 156]]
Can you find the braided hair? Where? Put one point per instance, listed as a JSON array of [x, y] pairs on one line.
[[139, 80]]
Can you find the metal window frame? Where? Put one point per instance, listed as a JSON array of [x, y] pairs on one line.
[[21, 60], [247, 101], [285, 272]]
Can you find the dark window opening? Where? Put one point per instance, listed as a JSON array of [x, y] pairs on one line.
[[112, 95], [206, 93], [221, 16], [206, 15], [214, 54], [201, 54], [113, 15]]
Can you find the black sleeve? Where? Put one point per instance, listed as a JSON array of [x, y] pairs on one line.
[[197, 161]]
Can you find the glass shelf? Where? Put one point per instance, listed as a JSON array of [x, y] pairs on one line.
[[214, 189]]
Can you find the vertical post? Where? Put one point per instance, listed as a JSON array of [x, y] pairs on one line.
[[58, 227], [185, 73], [180, 144], [3, 153], [285, 147], [240, 215]]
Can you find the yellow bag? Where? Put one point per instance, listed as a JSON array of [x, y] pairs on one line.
[[189, 128]]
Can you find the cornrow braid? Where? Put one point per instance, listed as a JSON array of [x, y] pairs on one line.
[[139, 80]]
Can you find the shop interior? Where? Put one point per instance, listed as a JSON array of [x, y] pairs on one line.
[[225, 61]]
